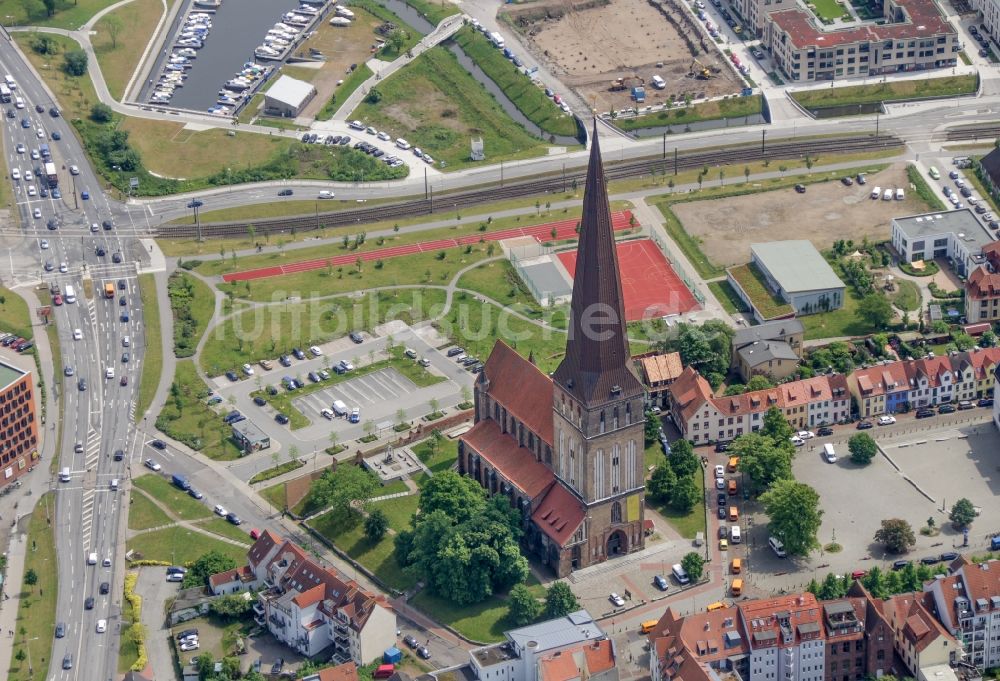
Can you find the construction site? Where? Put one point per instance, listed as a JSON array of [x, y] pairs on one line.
[[619, 54]]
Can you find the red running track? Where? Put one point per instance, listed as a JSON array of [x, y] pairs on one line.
[[564, 229], [650, 286]]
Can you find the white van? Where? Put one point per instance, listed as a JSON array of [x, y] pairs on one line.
[[339, 408], [126, 341], [829, 454], [734, 534], [70, 294], [114, 484], [777, 546], [325, 194], [679, 574], [658, 82], [64, 474], [11, 83], [19, 102], [402, 144], [92, 559], [900, 194]]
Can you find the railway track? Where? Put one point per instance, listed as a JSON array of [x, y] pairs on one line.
[[984, 132], [547, 185]]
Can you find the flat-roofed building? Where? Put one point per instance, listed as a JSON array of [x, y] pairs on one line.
[[18, 423], [957, 236]]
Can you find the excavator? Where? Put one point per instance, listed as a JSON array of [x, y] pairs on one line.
[[622, 84], [699, 70]]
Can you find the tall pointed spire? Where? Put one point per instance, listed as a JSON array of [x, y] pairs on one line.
[[597, 367]]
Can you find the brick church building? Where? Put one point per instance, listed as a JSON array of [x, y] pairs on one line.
[[567, 449]]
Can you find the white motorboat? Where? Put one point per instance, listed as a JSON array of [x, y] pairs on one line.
[[306, 9], [210, 4], [340, 21], [344, 12]]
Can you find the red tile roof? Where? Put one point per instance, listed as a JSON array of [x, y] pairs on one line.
[[512, 461], [258, 552], [690, 391], [760, 617], [578, 662], [982, 361], [310, 596], [661, 367], [559, 515], [882, 379], [242, 573], [924, 21], [983, 284], [522, 388], [912, 615], [342, 672]]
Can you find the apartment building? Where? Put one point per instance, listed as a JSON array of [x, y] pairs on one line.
[[920, 641], [18, 425], [755, 12], [915, 37], [310, 607], [989, 11], [982, 290], [967, 603], [956, 236], [772, 349], [791, 637], [701, 417], [891, 387]]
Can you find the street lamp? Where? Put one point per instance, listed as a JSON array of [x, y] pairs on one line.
[[195, 205]]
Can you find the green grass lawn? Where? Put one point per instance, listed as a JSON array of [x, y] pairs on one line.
[[343, 91], [828, 9], [118, 58], [484, 622], [179, 503], [653, 455], [907, 295], [193, 305], [734, 107], [152, 361], [180, 546], [879, 92], [399, 510], [417, 269], [128, 651], [69, 15], [272, 330], [224, 528], [973, 179], [275, 495], [434, 11], [36, 612], [187, 418], [144, 514], [274, 472], [441, 460], [842, 322], [751, 281], [76, 95], [378, 557], [726, 295], [477, 326], [436, 105], [691, 523], [923, 190], [526, 95], [14, 315]]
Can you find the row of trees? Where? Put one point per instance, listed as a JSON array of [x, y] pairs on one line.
[[881, 584], [673, 481]]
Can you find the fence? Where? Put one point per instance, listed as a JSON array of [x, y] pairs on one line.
[[679, 269]]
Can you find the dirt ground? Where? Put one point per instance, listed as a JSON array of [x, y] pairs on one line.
[[825, 213], [342, 46], [592, 46]]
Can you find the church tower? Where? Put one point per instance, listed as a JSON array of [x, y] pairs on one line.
[[598, 399]]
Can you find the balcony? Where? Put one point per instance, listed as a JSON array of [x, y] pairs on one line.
[[260, 620], [258, 608], [340, 628]]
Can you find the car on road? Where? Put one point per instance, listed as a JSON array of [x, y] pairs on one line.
[[60, 629], [89, 603], [195, 494], [985, 402], [85, 194], [410, 641], [69, 371], [297, 352], [109, 372], [797, 441], [105, 588], [73, 170], [948, 556], [946, 409], [357, 337], [259, 401], [424, 653], [158, 444], [82, 385], [720, 471], [824, 431], [21, 148], [281, 418], [125, 358], [44, 244], [119, 455], [616, 599], [864, 425], [722, 513], [900, 564], [152, 465], [77, 334], [234, 519], [924, 413], [248, 370], [886, 420], [721, 499], [930, 560], [806, 434], [316, 352]]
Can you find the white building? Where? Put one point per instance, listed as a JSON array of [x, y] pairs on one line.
[[786, 638], [957, 236], [990, 12], [967, 603], [520, 657], [287, 97], [310, 607]]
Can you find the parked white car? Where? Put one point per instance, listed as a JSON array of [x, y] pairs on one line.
[[886, 420], [806, 434], [797, 441]]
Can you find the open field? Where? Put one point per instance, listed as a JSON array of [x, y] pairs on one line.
[[527, 96], [435, 104], [14, 316], [118, 58], [75, 95], [36, 613], [734, 107], [724, 228], [589, 48], [143, 514], [68, 14], [187, 418], [179, 503], [152, 363], [907, 295], [379, 557], [484, 622], [193, 305], [880, 92], [179, 546], [265, 333]]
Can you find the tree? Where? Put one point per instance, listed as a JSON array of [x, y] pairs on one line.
[[831, 588], [396, 40], [458, 496], [560, 601], [75, 62], [863, 448], [763, 461], [374, 96], [793, 508], [693, 565], [683, 459], [759, 382], [114, 25], [776, 426], [896, 534], [50, 6], [661, 483], [962, 513], [207, 565], [685, 494], [342, 489], [875, 309], [31, 577], [376, 525], [522, 607], [652, 428], [230, 606]]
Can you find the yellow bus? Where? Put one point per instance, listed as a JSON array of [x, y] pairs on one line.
[[647, 626], [109, 289]]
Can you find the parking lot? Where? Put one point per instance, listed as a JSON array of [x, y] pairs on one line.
[[378, 395]]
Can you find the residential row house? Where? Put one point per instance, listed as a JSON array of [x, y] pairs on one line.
[[982, 289], [796, 637], [702, 418], [967, 603], [895, 386], [658, 371], [310, 607]]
